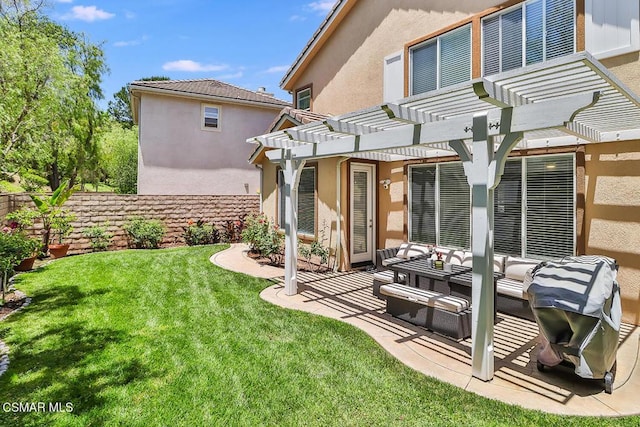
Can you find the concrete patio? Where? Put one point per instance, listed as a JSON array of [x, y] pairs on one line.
[[348, 297]]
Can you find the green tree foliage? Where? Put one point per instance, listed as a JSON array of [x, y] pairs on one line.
[[49, 82], [120, 107], [119, 147]]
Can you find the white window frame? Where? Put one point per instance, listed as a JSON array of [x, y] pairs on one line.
[[523, 7], [203, 109], [437, 40], [299, 97], [523, 242]]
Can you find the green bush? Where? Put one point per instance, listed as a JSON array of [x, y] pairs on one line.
[[99, 236], [200, 233], [263, 237], [144, 233]]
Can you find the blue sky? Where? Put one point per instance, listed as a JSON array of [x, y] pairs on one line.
[[249, 43]]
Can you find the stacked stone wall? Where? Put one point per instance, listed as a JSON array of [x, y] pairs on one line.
[[114, 209]]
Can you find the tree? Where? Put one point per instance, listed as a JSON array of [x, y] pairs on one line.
[[120, 107], [119, 147], [50, 82]]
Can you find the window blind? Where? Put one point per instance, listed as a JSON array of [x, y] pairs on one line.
[[511, 40], [534, 32], [550, 206], [491, 45], [422, 204], [559, 28], [424, 71], [360, 208], [307, 201], [454, 206], [507, 224], [455, 57]]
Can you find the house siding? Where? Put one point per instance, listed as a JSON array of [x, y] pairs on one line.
[[347, 75], [176, 156]]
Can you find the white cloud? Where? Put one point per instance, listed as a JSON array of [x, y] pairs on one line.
[[126, 43], [87, 14], [192, 66], [277, 69], [321, 6]]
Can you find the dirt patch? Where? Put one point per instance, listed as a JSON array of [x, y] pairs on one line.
[[12, 302]]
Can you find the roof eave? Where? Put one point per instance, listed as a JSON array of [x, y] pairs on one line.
[[133, 88]]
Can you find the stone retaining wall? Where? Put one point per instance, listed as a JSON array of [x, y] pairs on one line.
[[174, 211]]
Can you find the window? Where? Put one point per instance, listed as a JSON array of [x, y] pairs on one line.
[[442, 61], [306, 201], [303, 99], [210, 117], [537, 192], [532, 32]]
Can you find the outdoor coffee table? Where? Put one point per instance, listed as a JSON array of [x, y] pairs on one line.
[[421, 275]]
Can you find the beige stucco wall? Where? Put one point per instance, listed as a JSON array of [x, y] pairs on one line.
[[612, 214], [347, 73], [176, 156]]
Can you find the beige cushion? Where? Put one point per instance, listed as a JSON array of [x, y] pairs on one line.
[[516, 268], [510, 287], [386, 276], [392, 260], [424, 297], [412, 250], [498, 261], [456, 257]]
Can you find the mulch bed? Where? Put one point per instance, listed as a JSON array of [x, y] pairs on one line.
[[303, 265]]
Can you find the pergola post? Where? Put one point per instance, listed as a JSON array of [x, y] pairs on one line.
[[483, 170], [291, 170]]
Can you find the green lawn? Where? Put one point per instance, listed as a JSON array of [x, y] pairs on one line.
[[146, 338]]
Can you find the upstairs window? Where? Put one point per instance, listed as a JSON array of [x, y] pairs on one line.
[[210, 117], [532, 32], [303, 99], [442, 61]]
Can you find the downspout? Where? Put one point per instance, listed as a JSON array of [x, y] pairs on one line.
[[260, 188], [338, 212]]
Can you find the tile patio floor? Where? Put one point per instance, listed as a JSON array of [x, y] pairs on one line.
[[348, 297]]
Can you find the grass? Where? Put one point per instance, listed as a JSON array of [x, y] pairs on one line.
[[145, 338]]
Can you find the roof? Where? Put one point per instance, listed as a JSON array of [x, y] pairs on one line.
[[422, 126], [295, 116], [208, 88], [292, 115]]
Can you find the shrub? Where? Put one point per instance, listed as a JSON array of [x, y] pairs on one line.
[[144, 233], [263, 237], [200, 233], [99, 236], [233, 230]]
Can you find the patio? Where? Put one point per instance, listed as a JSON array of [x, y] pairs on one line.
[[348, 297]]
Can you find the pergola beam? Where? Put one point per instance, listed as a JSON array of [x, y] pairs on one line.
[[541, 115]]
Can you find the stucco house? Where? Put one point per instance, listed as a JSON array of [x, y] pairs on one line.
[[401, 91], [192, 133]]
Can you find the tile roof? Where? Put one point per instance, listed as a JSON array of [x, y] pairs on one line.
[[301, 116], [210, 87]]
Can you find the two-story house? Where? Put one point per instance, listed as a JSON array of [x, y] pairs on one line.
[[192, 135], [399, 82]]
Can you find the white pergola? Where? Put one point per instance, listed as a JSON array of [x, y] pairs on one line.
[[568, 101]]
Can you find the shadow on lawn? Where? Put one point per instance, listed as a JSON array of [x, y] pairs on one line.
[[70, 361]]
